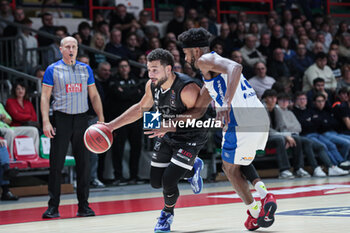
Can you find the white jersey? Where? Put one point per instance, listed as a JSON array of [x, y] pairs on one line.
[[246, 108]]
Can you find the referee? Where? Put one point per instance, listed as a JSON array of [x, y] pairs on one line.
[[70, 82]]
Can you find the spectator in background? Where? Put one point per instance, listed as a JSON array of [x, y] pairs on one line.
[[103, 28], [276, 139], [265, 48], [84, 30], [276, 36], [342, 28], [289, 35], [141, 73], [344, 48], [261, 82], [341, 110], [177, 24], [97, 42], [19, 16], [20, 108], [143, 21], [205, 23], [254, 30], [299, 63], [317, 48], [5, 172], [9, 133], [126, 90], [48, 26], [326, 124], [278, 67], [132, 46], [5, 13], [334, 63], [319, 87], [218, 47], [237, 57], [177, 67], [344, 80], [116, 47], [319, 70], [27, 41], [287, 52], [154, 43], [249, 52], [123, 21], [304, 116], [53, 53], [224, 39], [192, 14]]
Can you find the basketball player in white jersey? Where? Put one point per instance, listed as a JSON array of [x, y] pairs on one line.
[[245, 118]]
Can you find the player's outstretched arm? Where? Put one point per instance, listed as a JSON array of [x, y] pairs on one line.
[[134, 112]]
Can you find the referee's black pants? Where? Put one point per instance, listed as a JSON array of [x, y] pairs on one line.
[[69, 128]]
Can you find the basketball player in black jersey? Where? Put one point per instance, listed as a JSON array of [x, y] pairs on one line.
[[175, 154]]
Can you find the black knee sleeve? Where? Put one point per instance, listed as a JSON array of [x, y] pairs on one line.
[[156, 177], [170, 198], [250, 172]]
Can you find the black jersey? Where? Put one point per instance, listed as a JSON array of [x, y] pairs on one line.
[[169, 104]]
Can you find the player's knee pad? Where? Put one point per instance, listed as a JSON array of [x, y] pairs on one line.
[[250, 172]]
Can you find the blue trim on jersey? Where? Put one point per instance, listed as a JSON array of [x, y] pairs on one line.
[[48, 75], [229, 145]]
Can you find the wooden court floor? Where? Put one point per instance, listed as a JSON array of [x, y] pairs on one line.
[[304, 205]]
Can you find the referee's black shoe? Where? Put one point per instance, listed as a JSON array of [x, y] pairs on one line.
[[85, 211], [51, 212]]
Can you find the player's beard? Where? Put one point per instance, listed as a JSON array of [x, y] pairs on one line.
[[193, 66], [161, 81]]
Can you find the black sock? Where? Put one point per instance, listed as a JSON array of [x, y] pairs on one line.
[[169, 209], [5, 189]]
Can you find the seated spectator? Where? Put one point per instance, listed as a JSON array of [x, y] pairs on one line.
[[53, 53], [218, 47], [289, 124], [247, 71], [5, 13], [287, 52], [284, 85], [18, 17], [84, 30], [177, 24], [289, 35], [344, 48], [261, 82], [141, 73], [265, 48], [5, 174], [27, 41], [116, 47], [319, 87], [10, 133], [48, 26], [304, 116], [254, 30], [123, 21], [224, 39], [132, 46], [249, 52], [299, 63], [326, 124], [278, 67], [154, 43], [20, 108], [205, 23], [319, 70], [341, 110], [344, 80], [103, 28], [177, 67], [320, 37], [334, 63], [97, 42], [276, 139], [276, 35]]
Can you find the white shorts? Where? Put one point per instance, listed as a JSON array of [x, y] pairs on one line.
[[239, 144]]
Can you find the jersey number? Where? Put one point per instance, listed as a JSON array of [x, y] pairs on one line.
[[247, 85]]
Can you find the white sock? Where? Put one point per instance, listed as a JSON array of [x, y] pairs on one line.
[[254, 209], [261, 189]]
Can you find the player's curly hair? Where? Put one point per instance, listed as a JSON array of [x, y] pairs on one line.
[[195, 37], [162, 55]]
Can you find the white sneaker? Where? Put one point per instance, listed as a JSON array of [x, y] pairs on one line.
[[336, 171], [302, 173], [345, 164], [318, 172], [286, 174]]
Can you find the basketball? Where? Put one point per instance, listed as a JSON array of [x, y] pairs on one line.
[[98, 138]]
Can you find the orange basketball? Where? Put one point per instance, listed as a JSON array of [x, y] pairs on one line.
[[98, 138]]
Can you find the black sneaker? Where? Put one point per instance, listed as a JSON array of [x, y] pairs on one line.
[[8, 196], [51, 212], [85, 212], [121, 181]]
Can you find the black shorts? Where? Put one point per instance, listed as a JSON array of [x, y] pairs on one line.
[[181, 154]]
